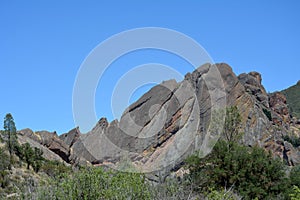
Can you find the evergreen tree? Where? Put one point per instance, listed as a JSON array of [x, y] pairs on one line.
[[10, 133], [28, 154], [37, 159]]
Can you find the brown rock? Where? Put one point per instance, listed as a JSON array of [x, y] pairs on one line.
[[278, 105], [49, 140], [252, 84]]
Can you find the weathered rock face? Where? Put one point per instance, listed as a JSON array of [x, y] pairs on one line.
[[49, 140], [162, 127], [252, 84], [71, 137], [173, 120], [281, 115], [28, 136]]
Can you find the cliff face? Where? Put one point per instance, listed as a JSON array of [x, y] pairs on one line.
[[53, 147], [173, 120]]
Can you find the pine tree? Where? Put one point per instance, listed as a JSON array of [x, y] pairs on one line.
[[28, 154], [38, 158], [10, 133]]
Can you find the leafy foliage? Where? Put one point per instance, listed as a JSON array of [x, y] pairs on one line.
[[252, 171], [4, 161], [295, 195], [295, 141], [4, 165], [232, 125], [295, 176], [221, 195], [10, 135], [37, 159], [32, 156], [27, 154], [54, 169], [95, 183]]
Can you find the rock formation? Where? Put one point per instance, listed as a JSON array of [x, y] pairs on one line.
[[173, 120]]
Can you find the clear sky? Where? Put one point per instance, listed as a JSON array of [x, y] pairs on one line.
[[43, 43]]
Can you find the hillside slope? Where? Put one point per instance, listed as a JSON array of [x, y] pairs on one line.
[[293, 99]]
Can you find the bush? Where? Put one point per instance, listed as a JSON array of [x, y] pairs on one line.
[[54, 169], [4, 165], [37, 159], [221, 195], [295, 195], [95, 183], [4, 160], [251, 171], [293, 140], [232, 125], [32, 156], [295, 176]]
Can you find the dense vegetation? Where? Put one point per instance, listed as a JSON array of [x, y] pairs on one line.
[[230, 171], [295, 141], [251, 172], [292, 96]]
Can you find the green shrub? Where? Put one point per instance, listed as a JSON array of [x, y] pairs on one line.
[[37, 159], [4, 166], [4, 160], [54, 168], [221, 195], [295, 195], [295, 176], [251, 171], [293, 140], [95, 183], [232, 126]]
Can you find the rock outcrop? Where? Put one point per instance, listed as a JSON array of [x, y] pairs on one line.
[[71, 137], [28, 136], [174, 119], [281, 115], [50, 140], [252, 84], [56, 147]]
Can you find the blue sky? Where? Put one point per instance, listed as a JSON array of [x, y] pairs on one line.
[[43, 43]]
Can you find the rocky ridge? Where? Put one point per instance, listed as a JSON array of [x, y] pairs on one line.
[[172, 120]]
